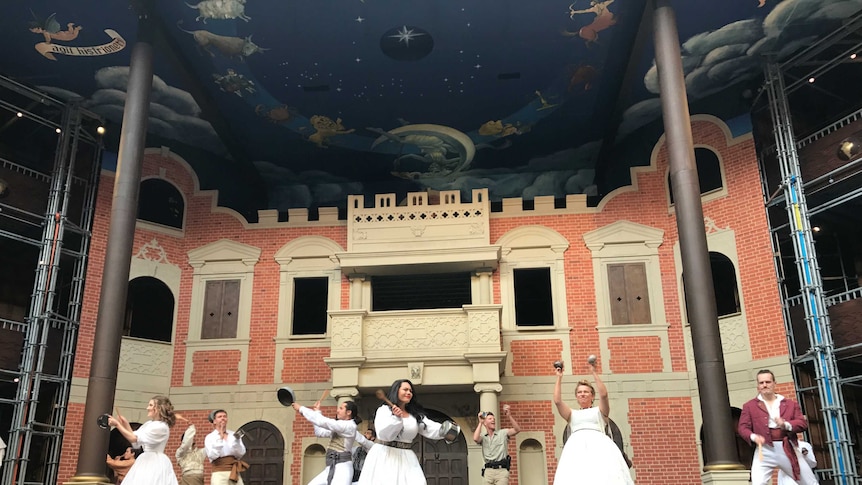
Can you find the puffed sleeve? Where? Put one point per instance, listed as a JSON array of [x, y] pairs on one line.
[[432, 429], [363, 441], [342, 427], [152, 433], [387, 425], [213, 444]]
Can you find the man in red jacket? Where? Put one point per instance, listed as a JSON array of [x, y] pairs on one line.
[[771, 421]]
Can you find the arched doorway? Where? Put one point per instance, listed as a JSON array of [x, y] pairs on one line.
[[744, 451], [444, 464], [264, 454]]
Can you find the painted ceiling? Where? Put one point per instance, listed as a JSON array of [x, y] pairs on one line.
[[298, 103]]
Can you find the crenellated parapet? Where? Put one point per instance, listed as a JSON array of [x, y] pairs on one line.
[[418, 224]]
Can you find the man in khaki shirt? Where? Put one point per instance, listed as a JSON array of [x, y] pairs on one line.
[[495, 446]]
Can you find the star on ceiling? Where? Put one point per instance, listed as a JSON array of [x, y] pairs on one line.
[[406, 35]]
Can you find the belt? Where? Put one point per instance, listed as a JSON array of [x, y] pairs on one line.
[[490, 465], [777, 434], [398, 444]]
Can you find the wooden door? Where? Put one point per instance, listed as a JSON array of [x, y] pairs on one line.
[[264, 453]]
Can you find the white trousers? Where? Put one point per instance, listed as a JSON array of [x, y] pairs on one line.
[[223, 478], [343, 475], [774, 457]]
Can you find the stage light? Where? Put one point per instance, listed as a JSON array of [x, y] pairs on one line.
[[100, 130], [849, 148], [58, 131]]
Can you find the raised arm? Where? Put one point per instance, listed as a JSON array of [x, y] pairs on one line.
[[516, 428], [602, 391], [477, 435], [123, 426], [562, 408]]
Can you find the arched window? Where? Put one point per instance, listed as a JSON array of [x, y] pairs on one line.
[[149, 310], [724, 284], [160, 202], [724, 281], [708, 172]]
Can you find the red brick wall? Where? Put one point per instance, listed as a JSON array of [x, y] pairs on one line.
[[305, 365], [534, 357], [215, 367], [71, 442], [631, 355], [663, 440], [531, 416]]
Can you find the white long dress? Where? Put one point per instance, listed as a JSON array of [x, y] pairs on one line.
[[589, 456], [387, 465], [153, 467]]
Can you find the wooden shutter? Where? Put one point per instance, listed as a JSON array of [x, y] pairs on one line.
[[628, 293], [221, 305]]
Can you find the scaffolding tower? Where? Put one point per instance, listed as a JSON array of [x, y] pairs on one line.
[[821, 356], [50, 329]]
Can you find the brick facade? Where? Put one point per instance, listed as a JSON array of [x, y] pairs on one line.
[[644, 414]]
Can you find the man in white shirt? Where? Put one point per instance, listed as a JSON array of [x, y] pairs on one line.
[[225, 451], [771, 422]]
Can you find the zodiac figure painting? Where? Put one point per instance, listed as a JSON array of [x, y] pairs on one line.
[[604, 19]]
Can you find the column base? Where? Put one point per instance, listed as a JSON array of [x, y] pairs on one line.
[[726, 477], [88, 480]]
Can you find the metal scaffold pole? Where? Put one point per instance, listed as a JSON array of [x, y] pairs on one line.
[[843, 467], [51, 327]]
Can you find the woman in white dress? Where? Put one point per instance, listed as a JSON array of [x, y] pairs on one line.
[[589, 455], [341, 433], [152, 467], [392, 461]]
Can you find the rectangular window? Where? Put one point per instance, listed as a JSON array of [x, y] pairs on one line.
[[533, 302], [418, 292], [310, 297], [221, 309], [627, 289]]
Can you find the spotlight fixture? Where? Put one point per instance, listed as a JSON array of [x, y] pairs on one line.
[[19, 114], [853, 56], [816, 228], [58, 131], [100, 130], [849, 148], [811, 80]]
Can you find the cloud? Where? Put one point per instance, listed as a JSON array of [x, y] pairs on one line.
[[312, 188], [174, 114], [558, 174], [734, 53]]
